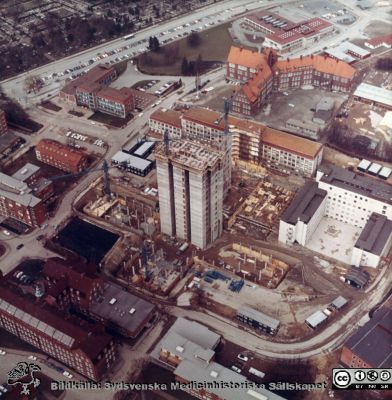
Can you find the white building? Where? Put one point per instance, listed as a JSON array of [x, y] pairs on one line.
[[163, 119], [373, 243], [352, 198], [301, 218], [347, 197], [190, 184]]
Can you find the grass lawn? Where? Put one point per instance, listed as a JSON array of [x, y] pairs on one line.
[[214, 47], [111, 120]]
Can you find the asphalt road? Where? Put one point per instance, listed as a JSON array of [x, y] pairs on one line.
[[208, 15]]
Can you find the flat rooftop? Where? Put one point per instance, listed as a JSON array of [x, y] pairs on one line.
[[375, 234], [305, 203], [356, 183], [131, 161], [115, 305], [259, 316], [26, 172], [17, 191], [374, 93], [190, 154], [213, 373]]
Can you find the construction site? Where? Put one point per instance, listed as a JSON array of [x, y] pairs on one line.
[[262, 208]]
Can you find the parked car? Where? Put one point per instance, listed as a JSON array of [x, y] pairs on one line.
[[68, 375], [34, 358], [19, 246], [236, 369], [242, 357]]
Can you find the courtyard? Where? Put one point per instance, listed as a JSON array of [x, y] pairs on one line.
[[334, 239]]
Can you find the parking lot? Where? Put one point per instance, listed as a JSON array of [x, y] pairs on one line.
[[296, 104]]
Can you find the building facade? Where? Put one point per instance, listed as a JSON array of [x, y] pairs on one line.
[[352, 198], [18, 201], [72, 341], [374, 242], [303, 215], [370, 346], [190, 183], [250, 141], [273, 74], [3, 123], [284, 35], [61, 156]]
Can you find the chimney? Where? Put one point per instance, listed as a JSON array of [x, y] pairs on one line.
[[301, 57], [311, 56], [288, 59]]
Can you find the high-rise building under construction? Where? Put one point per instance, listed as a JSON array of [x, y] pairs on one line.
[[191, 188]]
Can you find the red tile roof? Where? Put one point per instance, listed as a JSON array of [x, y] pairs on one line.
[[387, 39], [80, 333], [170, 117], [244, 57], [61, 151], [320, 63], [122, 96]]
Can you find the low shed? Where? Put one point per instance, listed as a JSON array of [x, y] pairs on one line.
[[316, 319]]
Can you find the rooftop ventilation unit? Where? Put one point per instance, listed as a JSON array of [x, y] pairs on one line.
[[112, 301], [180, 349], [132, 311]]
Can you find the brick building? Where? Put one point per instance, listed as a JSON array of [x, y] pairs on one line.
[[82, 288], [18, 201], [100, 75], [271, 74], [84, 347], [92, 90], [61, 156], [370, 346], [3, 123]]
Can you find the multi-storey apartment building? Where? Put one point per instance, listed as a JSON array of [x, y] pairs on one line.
[[319, 71], [190, 183], [347, 197], [82, 288], [84, 347], [352, 197], [18, 201], [284, 35], [115, 102], [61, 156], [250, 141], [374, 242], [291, 153], [3, 123], [163, 119], [271, 74], [303, 215], [91, 90], [98, 77], [242, 63]]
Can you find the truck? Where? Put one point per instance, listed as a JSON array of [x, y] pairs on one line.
[[182, 248], [256, 372]]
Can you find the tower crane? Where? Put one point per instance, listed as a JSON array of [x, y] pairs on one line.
[[104, 168]]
